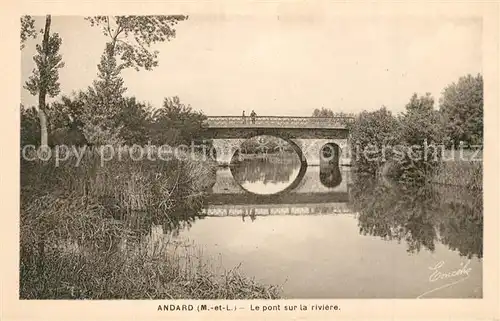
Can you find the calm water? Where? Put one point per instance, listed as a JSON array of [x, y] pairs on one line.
[[321, 232]]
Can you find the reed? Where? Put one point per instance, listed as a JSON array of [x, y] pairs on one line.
[[83, 230], [137, 273], [460, 173], [122, 186]]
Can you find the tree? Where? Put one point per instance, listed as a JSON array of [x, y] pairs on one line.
[[130, 37], [419, 125], [134, 119], [323, 112], [420, 121], [30, 126], [342, 118], [44, 80], [176, 123], [27, 29], [461, 105], [370, 132], [65, 121], [102, 102], [66, 112]]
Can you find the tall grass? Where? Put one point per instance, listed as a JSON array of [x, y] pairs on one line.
[[137, 273], [83, 230], [460, 173]]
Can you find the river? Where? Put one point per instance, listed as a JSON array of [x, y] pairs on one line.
[[322, 232]]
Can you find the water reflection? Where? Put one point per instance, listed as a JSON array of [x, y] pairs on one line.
[[330, 175], [331, 234], [419, 215], [267, 174], [461, 227], [250, 212]]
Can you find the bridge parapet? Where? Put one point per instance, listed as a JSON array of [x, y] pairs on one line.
[[278, 122]]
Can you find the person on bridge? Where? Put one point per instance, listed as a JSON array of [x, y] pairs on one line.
[[253, 115], [244, 118]]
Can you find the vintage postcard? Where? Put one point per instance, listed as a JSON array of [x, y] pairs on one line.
[[227, 160]]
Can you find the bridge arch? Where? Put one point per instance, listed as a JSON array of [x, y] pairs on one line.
[[310, 134], [234, 148], [225, 149]]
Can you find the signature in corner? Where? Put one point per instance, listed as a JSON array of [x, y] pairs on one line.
[[438, 274]]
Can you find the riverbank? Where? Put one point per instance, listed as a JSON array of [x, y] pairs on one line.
[[467, 174], [464, 172], [83, 230], [461, 168]]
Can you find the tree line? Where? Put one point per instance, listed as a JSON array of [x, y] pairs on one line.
[[457, 118], [457, 121], [103, 113]]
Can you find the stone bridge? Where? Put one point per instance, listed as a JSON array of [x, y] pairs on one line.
[[308, 136]]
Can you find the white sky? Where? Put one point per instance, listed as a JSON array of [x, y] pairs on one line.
[[282, 66]]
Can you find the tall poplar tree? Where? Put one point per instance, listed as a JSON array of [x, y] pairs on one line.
[[45, 78]]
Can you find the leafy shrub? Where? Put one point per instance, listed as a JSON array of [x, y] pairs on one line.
[[369, 133], [419, 126], [407, 147], [462, 108], [30, 126], [176, 123]]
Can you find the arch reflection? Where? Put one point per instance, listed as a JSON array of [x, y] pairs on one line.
[[267, 177], [329, 172], [330, 176], [268, 165]]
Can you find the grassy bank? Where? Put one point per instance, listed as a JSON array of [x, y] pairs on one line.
[[460, 173], [83, 231], [135, 273]]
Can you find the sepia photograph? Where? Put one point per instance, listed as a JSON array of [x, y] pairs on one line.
[[242, 156], [262, 182]]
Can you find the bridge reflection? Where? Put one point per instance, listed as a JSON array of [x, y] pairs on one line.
[[319, 190], [254, 210], [314, 179]]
